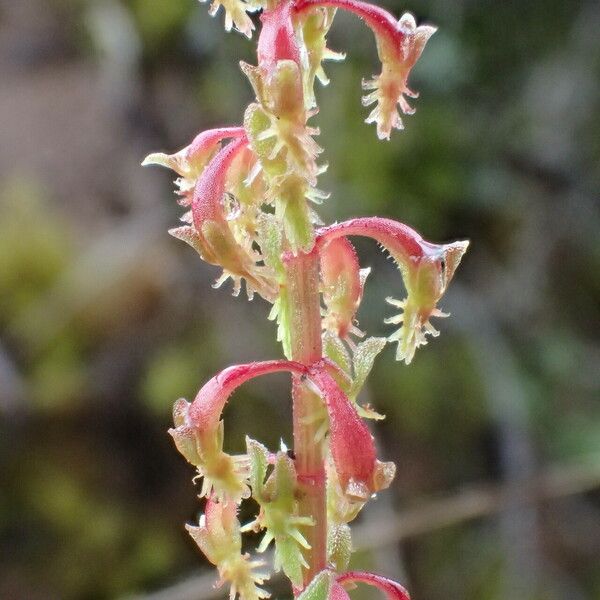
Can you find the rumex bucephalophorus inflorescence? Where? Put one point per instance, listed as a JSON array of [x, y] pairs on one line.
[[250, 191]]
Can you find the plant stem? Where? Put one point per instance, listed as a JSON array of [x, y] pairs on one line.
[[303, 282]]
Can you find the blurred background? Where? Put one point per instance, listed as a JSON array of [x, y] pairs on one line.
[[105, 320]]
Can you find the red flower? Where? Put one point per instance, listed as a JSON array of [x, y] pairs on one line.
[[198, 431], [342, 286], [277, 40], [426, 270], [190, 161], [359, 472]]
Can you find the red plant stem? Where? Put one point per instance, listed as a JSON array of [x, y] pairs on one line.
[[378, 19], [303, 282], [209, 138], [208, 405], [391, 234], [392, 589]]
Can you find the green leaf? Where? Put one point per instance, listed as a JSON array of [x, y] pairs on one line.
[[259, 463], [281, 312], [319, 587], [364, 356], [271, 243], [335, 350], [280, 488], [288, 556], [279, 511], [339, 546], [282, 483], [297, 222]]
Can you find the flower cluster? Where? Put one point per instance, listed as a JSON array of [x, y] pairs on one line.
[[249, 192]]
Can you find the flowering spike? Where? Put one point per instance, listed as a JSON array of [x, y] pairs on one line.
[[277, 126], [399, 45], [271, 243], [426, 269], [392, 589], [249, 209]]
